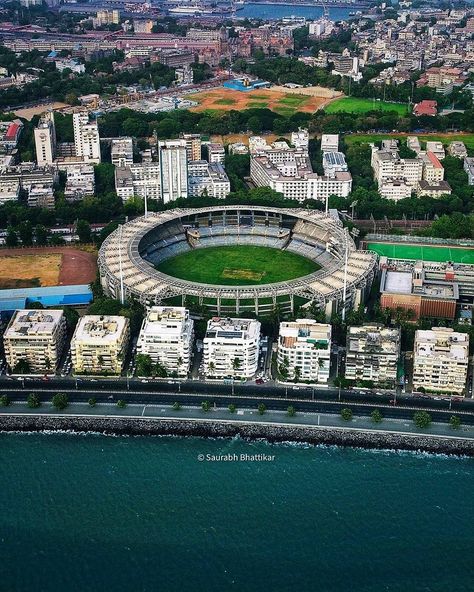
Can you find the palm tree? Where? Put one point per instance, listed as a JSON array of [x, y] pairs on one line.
[[235, 364], [210, 368], [297, 375]]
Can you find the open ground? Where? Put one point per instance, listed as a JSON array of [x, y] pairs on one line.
[[237, 265], [357, 106], [423, 252], [46, 266], [278, 99], [29, 112]]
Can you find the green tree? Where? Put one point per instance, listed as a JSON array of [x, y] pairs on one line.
[[206, 406], [235, 364], [455, 422], [121, 404], [83, 229], [422, 419], [176, 406], [41, 235], [33, 401], [4, 400], [144, 365], [11, 239], [92, 402], [297, 375], [25, 230], [376, 416], [261, 409], [291, 411], [346, 414], [232, 408], [22, 367], [60, 401]]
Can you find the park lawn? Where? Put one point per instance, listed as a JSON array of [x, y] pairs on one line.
[[237, 265], [356, 105], [284, 110], [293, 100], [423, 252], [257, 105], [225, 102], [468, 139]]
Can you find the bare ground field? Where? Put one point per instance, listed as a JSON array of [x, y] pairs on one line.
[[46, 266], [279, 99], [30, 112]]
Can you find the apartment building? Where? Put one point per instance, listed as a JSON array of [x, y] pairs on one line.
[[121, 152], [45, 140], [433, 170], [140, 178], [210, 178], [216, 152], [86, 137], [99, 344], [304, 351], [80, 182], [330, 143], [231, 348], [173, 170], [437, 149], [468, 167], [372, 353], [457, 149], [166, 336], [440, 360], [387, 165], [289, 171], [35, 338], [193, 146]]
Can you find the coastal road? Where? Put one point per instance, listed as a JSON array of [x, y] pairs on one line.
[[222, 400], [244, 414], [155, 390]]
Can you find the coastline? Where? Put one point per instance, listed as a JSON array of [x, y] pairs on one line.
[[216, 428]]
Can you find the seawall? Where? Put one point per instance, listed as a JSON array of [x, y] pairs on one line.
[[248, 430]]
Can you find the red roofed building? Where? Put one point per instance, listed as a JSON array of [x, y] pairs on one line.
[[425, 108], [9, 133]]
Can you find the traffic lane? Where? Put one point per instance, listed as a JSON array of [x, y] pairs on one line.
[[249, 389], [271, 403]]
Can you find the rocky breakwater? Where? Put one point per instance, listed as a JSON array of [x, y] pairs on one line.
[[211, 428]]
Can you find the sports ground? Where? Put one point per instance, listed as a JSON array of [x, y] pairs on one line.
[[423, 252], [285, 103], [237, 265], [358, 106], [46, 266]]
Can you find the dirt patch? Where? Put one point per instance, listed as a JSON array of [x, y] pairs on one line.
[[30, 112], [47, 266], [29, 271], [242, 274], [226, 99]]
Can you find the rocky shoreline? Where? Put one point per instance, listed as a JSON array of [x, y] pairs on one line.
[[133, 426]]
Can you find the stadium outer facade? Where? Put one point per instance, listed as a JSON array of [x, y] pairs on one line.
[[128, 255]]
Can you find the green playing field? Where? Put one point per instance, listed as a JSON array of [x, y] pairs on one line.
[[423, 252], [237, 265]]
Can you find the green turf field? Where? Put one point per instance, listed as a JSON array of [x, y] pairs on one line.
[[237, 265], [355, 105], [423, 252]]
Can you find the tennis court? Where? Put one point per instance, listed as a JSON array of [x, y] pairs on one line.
[[423, 252]]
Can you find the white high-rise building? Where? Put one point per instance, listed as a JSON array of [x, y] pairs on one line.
[[167, 337], [45, 140], [304, 350], [173, 170], [440, 360], [36, 337], [86, 137], [231, 348]]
